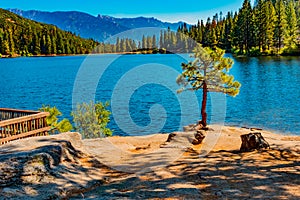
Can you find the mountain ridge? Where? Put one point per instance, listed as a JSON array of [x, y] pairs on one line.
[[98, 27]]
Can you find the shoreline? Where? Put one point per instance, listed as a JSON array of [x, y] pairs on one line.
[[138, 53], [149, 167], [258, 128], [249, 128]]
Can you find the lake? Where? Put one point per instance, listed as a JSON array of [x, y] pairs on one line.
[[142, 91]]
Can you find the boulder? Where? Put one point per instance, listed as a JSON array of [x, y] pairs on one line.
[[38, 162], [170, 137], [193, 127]]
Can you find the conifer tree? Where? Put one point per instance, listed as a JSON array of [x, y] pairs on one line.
[[297, 9], [144, 42], [269, 24], [5, 47], [228, 32], [281, 24], [154, 42], [11, 42], [60, 45], [206, 36], [48, 45], [161, 40], [208, 72], [149, 42], [291, 25], [244, 23], [260, 23], [118, 45]]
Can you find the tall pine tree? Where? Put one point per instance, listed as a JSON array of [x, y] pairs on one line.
[[292, 25], [281, 24]]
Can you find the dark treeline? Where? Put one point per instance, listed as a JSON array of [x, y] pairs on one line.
[[166, 41], [269, 27]]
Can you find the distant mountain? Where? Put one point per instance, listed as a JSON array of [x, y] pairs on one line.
[[88, 26], [140, 22]]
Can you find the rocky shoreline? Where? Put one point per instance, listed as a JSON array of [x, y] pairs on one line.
[[148, 167]]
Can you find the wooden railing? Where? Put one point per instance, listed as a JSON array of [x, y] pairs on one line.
[[18, 124]]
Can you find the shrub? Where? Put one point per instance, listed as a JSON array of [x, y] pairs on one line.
[[254, 51], [52, 120], [91, 119]]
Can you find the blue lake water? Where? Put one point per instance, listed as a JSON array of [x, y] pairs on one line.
[[142, 90]]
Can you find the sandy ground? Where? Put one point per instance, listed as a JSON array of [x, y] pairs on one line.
[[147, 167], [213, 170]]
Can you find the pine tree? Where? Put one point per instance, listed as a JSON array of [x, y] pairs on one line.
[[128, 45], [271, 17], [133, 44], [208, 72], [244, 22], [281, 24], [5, 47], [260, 23], [144, 42], [297, 9], [48, 45], [239, 33], [149, 42], [291, 17], [266, 27], [228, 32], [60, 45], [173, 42], [206, 36], [11, 42], [67, 47], [154, 42], [118, 45], [199, 33], [123, 45], [213, 38], [53, 45], [161, 40]]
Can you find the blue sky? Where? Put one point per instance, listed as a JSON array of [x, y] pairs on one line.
[[166, 10]]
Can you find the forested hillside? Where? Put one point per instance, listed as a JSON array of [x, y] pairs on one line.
[[268, 27], [20, 36], [23, 37], [98, 28]]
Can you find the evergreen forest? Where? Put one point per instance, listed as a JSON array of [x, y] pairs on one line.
[[269, 27]]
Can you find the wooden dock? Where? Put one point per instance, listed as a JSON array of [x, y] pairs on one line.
[[19, 124]]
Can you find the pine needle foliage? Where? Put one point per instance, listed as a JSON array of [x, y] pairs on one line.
[[209, 72], [91, 119], [52, 120]]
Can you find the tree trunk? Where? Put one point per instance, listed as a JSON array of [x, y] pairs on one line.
[[253, 141], [279, 45], [203, 108]]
